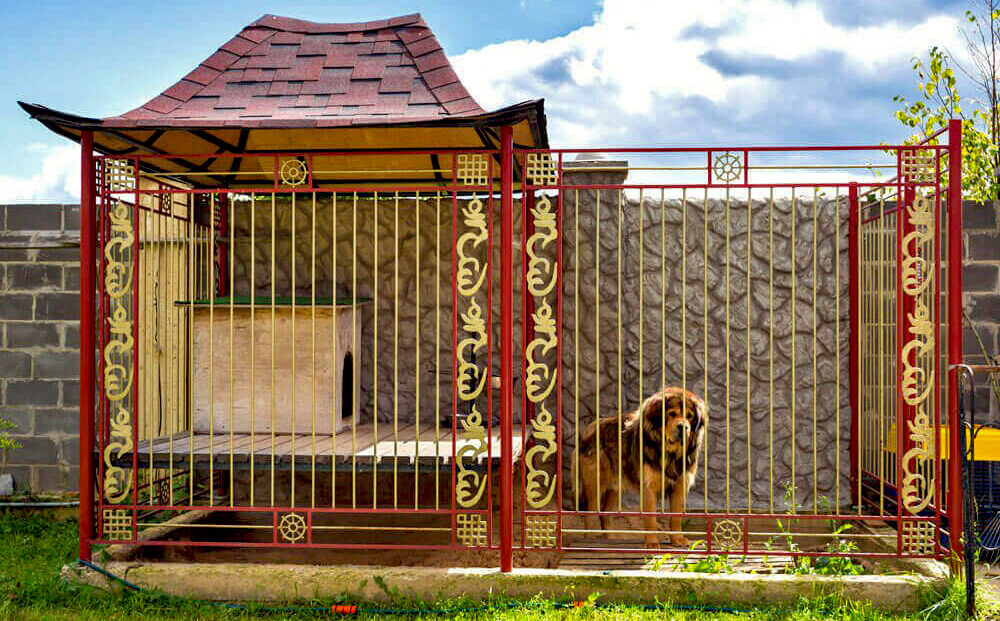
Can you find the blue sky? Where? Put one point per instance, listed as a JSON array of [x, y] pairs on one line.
[[622, 72]]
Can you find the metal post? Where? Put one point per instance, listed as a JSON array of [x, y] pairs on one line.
[[506, 347], [87, 324], [854, 220], [954, 329]]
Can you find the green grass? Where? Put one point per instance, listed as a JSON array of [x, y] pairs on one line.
[[33, 549]]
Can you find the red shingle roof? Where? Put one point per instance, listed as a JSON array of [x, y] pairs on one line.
[[306, 74]]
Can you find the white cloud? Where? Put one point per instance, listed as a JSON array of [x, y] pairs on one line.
[[680, 72], [58, 180]]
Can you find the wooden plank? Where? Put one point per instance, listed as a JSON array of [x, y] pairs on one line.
[[392, 445], [386, 447]]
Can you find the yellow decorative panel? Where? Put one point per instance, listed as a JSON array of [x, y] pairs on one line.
[[540, 169], [471, 284], [293, 172], [472, 169], [727, 167], [917, 355], [918, 165], [541, 281], [118, 352], [292, 527], [540, 531], [471, 529], [727, 534], [119, 175], [918, 537], [117, 524]]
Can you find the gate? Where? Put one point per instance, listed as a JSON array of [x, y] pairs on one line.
[[320, 353]]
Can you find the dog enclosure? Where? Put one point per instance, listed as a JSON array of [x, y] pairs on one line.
[[374, 345]]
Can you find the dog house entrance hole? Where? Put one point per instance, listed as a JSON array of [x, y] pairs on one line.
[[347, 388]]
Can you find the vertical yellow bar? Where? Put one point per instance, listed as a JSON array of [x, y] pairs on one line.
[[793, 490], [375, 284], [862, 380], [190, 345], [704, 325], [663, 338], [231, 213], [335, 348], [836, 366], [395, 354], [354, 341], [684, 203], [770, 349], [210, 286], [728, 358], [253, 344], [312, 290], [151, 357], [437, 351], [416, 362], [618, 318], [747, 367], [293, 268], [815, 382], [597, 339], [880, 296], [576, 353], [642, 207], [273, 334]]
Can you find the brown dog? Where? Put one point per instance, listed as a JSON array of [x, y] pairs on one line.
[[662, 439]]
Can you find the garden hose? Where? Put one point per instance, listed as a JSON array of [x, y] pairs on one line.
[[351, 610]]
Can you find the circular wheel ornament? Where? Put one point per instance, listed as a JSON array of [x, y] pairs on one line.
[[727, 167], [727, 534], [293, 172], [292, 528]]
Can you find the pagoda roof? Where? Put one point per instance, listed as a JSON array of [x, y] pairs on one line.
[[285, 85]]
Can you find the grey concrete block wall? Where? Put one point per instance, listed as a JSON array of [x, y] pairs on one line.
[[981, 285], [39, 331], [39, 342]]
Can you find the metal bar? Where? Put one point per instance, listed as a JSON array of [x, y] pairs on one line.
[[954, 324], [506, 347], [88, 218], [855, 341]]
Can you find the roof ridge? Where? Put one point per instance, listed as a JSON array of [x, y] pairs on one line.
[[292, 24]]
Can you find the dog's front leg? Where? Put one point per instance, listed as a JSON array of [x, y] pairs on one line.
[[678, 498], [649, 521]]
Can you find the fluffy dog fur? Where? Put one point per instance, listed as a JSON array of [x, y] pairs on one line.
[[672, 428]]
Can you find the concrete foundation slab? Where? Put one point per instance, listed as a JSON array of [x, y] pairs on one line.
[[284, 582]]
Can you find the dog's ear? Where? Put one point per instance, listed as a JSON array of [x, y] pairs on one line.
[[654, 408], [698, 406]]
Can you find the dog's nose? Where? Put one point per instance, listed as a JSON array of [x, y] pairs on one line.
[[683, 428]]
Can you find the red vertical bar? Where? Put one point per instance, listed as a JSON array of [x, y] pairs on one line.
[[527, 332], [88, 219], [559, 342], [855, 339], [955, 523], [136, 232], [222, 248], [904, 309], [454, 337], [489, 353], [506, 347]]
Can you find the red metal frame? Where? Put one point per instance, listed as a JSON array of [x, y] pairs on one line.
[[854, 336], [508, 156], [506, 347], [954, 501], [88, 288]]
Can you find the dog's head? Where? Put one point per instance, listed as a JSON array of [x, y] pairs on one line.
[[677, 416]]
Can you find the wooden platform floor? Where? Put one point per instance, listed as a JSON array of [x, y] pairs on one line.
[[399, 447]]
